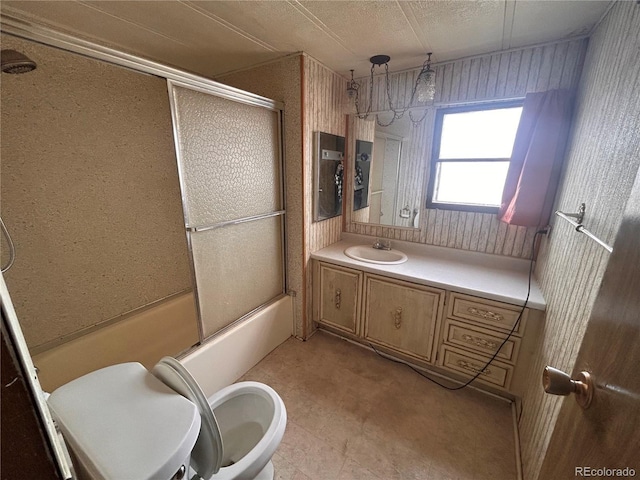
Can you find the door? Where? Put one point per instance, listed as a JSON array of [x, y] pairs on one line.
[[340, 297], [230, 164], [607, 434], [384, 179]]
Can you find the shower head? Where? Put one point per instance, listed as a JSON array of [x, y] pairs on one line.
[[16, 62]]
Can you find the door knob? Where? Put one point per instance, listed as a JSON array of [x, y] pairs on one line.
[[556, 382]]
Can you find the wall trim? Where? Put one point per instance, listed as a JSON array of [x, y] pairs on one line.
[[516, 439]]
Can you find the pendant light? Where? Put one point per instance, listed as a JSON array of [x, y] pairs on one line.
[[423, 91]]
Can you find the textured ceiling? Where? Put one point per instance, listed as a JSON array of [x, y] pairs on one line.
[[214, 37]]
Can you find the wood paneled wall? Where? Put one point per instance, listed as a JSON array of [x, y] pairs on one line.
[[490, 77], [603, 158], [323, 96]]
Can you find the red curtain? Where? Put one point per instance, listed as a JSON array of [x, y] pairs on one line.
[[536, 160]]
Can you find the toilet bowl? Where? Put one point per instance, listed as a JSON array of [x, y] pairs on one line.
[[241, 426]]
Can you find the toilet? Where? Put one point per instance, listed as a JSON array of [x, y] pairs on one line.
[[240, 430]]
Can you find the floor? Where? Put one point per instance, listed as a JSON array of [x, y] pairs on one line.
[[354, 415]]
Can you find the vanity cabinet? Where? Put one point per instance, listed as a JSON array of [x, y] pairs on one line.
[[453, 333], [473, 330], [338, 298], [402, 316]]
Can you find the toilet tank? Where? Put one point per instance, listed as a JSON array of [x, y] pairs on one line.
[[121, 422]]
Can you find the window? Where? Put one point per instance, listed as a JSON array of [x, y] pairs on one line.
[[471, 152]]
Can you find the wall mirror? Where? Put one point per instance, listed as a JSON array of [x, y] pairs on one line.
[[361, 180], [328, 175], [397, 173]]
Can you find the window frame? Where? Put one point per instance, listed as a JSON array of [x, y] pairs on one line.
[[435, 154]]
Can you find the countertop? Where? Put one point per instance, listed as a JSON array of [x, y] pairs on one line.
[[484, 275]]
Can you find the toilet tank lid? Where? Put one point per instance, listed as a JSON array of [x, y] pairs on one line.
[[122, 422]]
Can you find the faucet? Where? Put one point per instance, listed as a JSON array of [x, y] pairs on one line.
[[382, 244]]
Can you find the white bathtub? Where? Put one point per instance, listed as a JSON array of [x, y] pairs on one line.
[[222, 360]]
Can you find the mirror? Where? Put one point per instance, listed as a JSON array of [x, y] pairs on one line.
[[361, 183], [328, 175], [398, 172]]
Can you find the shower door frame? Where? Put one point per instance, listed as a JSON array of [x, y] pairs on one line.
[[240, 98]]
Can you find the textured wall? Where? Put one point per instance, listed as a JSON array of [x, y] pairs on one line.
[[281, 80], [89, 192], [602, 160], [488, 77]]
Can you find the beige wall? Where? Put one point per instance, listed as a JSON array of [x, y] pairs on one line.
[[489, 77], [89, 192], [602, 161]]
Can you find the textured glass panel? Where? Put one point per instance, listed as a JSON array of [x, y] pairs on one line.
[[230, 157], [238, 268], [470, 183], [479, 134]]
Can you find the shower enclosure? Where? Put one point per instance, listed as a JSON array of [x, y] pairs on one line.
[[230, 165]]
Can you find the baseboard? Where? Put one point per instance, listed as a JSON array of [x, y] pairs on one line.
[[516, 437]]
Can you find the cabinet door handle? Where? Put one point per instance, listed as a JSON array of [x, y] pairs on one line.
[[473, 367], [338, 298], [398, 317], [486, 314], [480, 342]]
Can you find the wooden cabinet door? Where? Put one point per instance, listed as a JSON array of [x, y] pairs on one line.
[[402, 315], [340, 297]]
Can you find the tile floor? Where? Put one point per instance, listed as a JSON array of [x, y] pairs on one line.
[[353, 415]]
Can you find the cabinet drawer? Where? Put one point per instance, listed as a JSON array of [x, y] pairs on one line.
[[487, 312], [498, 373], [480, 340], [401, 315], [339, 304]]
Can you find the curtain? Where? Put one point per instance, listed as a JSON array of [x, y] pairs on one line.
[[536, 160]]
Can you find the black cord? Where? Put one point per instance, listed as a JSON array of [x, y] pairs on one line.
[[515, 326]]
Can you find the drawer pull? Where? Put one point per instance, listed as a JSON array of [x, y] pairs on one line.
[[338, 298], [486, 314], [398, 317], [480, 342], [473, 367]]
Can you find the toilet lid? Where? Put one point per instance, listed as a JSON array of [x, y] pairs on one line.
[[206, 457]]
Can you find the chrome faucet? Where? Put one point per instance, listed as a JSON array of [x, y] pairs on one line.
[[382, 244]]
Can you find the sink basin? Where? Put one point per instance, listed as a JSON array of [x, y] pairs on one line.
[[366, 253]]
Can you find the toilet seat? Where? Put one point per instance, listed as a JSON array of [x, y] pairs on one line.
[[249, 417], [206, 457]]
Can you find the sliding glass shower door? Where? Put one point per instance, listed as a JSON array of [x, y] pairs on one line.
[[230, 164]]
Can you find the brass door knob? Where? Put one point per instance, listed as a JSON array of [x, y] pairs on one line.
[[556, 382]]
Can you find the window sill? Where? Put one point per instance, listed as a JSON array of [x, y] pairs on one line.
[[463, 208]]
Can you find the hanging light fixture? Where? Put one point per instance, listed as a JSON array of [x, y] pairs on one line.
[[426, 82], [423, 91]]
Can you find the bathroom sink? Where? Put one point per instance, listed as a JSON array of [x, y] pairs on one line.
[[366, 253]]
